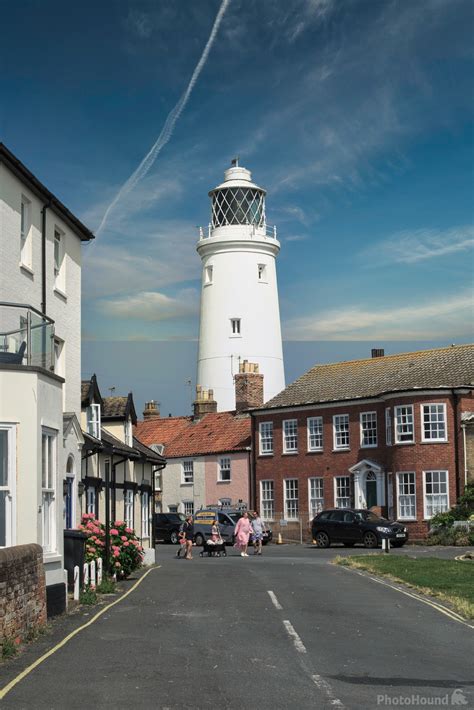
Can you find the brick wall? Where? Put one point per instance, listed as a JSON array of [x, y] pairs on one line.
[[22, 591], [327, 464]]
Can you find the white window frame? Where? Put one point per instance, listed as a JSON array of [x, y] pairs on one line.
[[26, 242], [402, 419], [188, 507], [262, 273], [128, 507], [187, 477], [388, 426], [367, 418], [128, 432], [173, 508], [342, 501], [290, 436], [49, 471], [235, 328], [291, 485], [412, 496], [426, 495], [315, 423], [224, 466], [93, 420], [315, 495], [9, 489], [208, 275], [59, 257], [441, 408], [265, 431], [341, 431], [267, 502], [91, 500], [145, 511]]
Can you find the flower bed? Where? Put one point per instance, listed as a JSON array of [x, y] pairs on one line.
[[125, 551]]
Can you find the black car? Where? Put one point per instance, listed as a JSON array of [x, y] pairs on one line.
[[350, 527], [167, 526]]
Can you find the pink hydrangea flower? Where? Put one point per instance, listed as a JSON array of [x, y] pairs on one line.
[[129, 530], [123, 538], [114, 531], [118, 523], [126, 544]]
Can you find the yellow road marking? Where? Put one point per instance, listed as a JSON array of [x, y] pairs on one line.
[[62, 643], [439, 607]]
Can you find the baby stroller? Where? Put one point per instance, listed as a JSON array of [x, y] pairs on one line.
[[215, 545]]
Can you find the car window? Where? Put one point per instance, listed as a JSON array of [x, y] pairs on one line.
[[337, 516], [324, 516], [224, 519], [349, 518]]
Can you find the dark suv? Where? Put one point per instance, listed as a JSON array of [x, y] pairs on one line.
[[351, 526], [167, 526]]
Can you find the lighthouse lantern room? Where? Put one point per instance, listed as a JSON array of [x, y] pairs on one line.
[[240, 318]]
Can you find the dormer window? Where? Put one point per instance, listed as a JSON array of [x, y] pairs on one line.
[[128, 431], [93, 420]]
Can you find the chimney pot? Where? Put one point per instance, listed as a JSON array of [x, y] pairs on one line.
[[204, 402], [248, 386], [152, 409]]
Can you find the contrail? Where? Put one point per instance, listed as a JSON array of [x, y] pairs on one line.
[[168, 128]]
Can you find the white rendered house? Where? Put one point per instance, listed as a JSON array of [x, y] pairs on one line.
[[40, 355], [240, 317]]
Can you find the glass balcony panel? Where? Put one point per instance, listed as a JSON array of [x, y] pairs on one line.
[[26, 336]]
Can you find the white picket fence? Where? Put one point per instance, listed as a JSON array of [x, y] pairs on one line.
[[92, 576]]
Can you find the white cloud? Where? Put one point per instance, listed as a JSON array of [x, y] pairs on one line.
[[152, 306], [412, 246], [451, 316]]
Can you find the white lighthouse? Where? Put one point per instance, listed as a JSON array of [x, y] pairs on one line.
[[240, 318]]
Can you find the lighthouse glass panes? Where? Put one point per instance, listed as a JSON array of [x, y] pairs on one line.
[[238, 205]]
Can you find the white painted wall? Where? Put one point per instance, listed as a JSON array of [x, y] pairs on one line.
[[174, 492]]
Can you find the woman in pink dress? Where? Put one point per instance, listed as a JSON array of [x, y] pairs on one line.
[[242, 533]]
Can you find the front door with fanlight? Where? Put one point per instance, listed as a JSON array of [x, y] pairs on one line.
[[371, 489]]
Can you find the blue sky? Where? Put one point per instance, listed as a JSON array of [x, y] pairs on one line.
[[355, 116]]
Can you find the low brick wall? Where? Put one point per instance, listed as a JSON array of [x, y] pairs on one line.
[[22, 591]]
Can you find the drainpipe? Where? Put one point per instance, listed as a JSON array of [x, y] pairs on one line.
[[43, 259], [252, 463], [456, 442], [463, 427]]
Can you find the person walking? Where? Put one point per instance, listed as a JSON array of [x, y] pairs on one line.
[[181, 541], [188, 531], [257, 533], [242, 533]]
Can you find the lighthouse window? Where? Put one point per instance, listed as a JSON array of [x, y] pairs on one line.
[[238, 205], [262, 272], [208, 275], [235, 325]]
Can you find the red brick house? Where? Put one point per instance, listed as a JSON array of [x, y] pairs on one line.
[[384, 432]]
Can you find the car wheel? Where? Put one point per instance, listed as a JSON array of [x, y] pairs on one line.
[[174, 538], [370, 540], [199, 540], [397, 544], [349, 544], [322, 539]]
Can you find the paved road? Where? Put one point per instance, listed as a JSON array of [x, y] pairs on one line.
[[207, 634]]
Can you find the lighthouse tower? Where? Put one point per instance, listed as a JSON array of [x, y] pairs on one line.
[[240, 318]]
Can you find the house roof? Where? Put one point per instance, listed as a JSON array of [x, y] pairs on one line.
[[149, 454], [90, 392], [220, 432], [27, 177], [119, 408], [425, 369], [117, 446]]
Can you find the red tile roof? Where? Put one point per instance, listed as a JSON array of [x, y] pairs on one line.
[[219, 432]]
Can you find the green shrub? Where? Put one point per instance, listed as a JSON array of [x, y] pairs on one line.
[[125, 554], [451, 536], [10, 647], [463, 510], [88, 596], [107, 586]]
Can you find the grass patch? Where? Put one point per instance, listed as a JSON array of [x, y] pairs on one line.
[[88, 596], [107, 586], [448, 580]]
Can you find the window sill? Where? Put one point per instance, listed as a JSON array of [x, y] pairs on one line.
[[434, 441], [404, 443], [27, 269], [186, 483], [407, 520], [290, 453], [60, 293], [235, 336], [346, 448], [266, 454], [51, 557], [369, 446], [315, 451], [228, 481]]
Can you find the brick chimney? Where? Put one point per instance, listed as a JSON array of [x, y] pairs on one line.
[[152, 409], [248, 387], [378, 352], [204, 402]]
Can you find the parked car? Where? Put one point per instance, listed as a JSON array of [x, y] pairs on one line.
[[226, 519], [351, 527], [167, 526]]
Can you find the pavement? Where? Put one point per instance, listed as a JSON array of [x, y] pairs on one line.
[[284, 630]]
